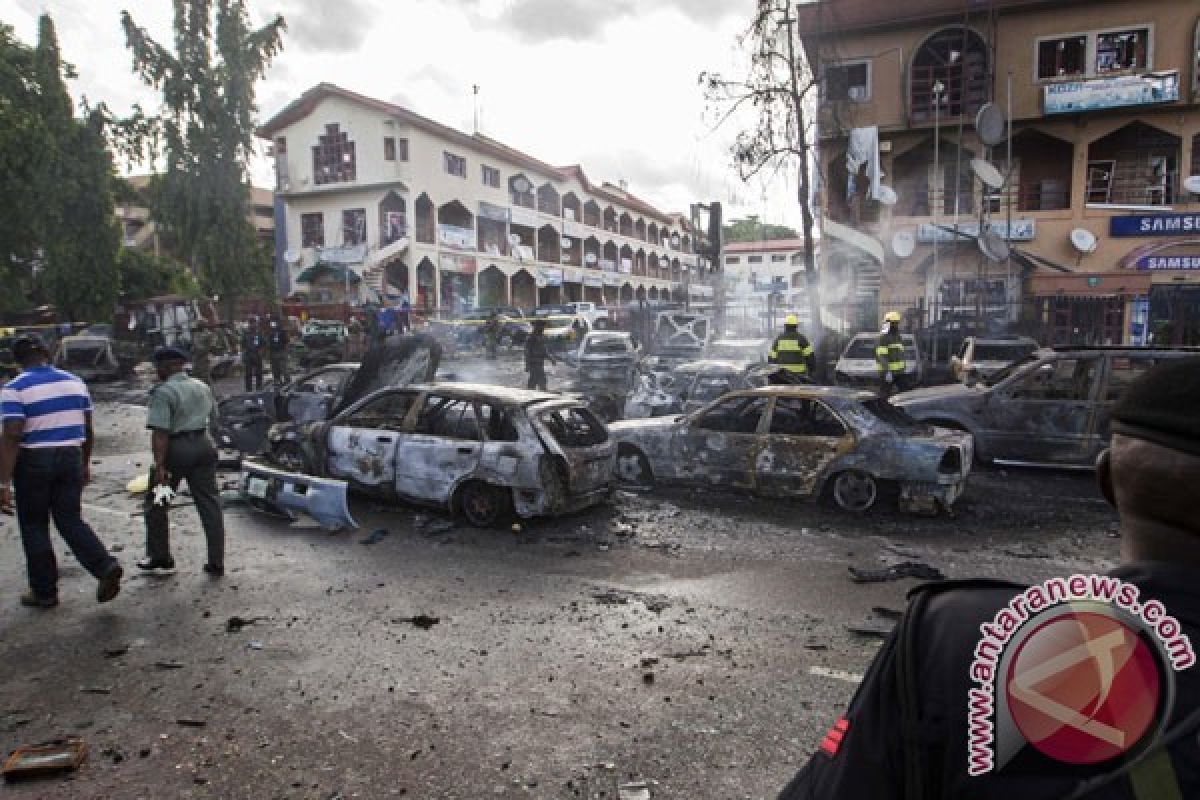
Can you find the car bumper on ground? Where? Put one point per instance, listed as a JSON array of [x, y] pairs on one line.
[[287, 494], [930, 498]]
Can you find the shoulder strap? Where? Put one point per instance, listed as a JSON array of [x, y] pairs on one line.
[[1151, 775]]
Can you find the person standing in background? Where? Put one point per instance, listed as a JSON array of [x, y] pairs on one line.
[[277, 343], [252, 347]]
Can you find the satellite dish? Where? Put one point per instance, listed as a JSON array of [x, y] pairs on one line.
[[887, 195], [993, 246], [988, 175], [990, 124], [1083, 240], [522, 184], [903, 244], [1192, 184], [291, 257]]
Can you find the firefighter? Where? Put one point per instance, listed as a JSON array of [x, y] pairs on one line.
[[792, 351], [889, 356]]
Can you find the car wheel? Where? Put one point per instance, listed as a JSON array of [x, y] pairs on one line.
[[633, 468], [855, 491], [482, 504], [291, 457]]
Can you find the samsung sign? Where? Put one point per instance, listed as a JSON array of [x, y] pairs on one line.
[[1169, 262], [1155, 225]]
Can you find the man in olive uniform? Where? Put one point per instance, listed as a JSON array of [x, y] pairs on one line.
[[536, 353], [277, 343], [178, 417], [792, 350], [491, 335], [908, 730], [889, 356], [202, 347], [252, 347]]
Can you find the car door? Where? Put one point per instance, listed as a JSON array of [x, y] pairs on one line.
[[803, 436], [444, 447], [717, 446], [363, 441], [1045, 415], [1121, 370], [312, 398]]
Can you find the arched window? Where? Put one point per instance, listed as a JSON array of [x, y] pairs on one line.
[[955, 58]]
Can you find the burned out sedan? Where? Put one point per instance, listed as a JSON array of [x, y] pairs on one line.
[[804, 442], [482, 451]]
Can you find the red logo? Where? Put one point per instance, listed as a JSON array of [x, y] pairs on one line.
[[1084, 687]]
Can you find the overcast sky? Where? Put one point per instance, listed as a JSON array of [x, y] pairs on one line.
[[609, 84]]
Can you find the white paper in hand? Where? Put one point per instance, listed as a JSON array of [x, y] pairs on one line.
[[163, 495]]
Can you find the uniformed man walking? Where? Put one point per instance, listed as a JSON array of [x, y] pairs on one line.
[[792, 351], [536, 354], [491, 335], [252, 347], [277, 342], [911, 727], [889, 356], [178, 417], [202, 347]]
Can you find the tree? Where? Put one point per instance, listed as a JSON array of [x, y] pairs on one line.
[[21, 136], [751, 229], [144, 274], [778, 86], [204, 136]]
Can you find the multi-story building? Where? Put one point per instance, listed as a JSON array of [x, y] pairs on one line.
[[138, 228], [378, 200], [1091, 202], [763, 281]]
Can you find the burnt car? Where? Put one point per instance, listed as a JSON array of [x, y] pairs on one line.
[[95, 357], [481, 451], [321, 342], [804, 442], [603, 369], [244, 419], [1051, 409]]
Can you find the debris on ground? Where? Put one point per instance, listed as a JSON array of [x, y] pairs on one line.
[[114, 652], [168, 665], [637, 790], [139, 485], [905, 569], [254, 644], [422, 621], [189, 722], [434, 526], [48, 758], [96, 689], [375, 536], [870, 628], [236, 623], [887, 613], [1024, 552]]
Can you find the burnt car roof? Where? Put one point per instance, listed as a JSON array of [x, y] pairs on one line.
[[487, 391], [827, 392]]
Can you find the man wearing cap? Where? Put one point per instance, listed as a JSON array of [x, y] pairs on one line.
[[277, 342], [180, 411], [536, 353], [252, 347], [889, 355], [45, 457], [906, 733], [792, 351]]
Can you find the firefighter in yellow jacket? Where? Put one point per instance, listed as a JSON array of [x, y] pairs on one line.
[[792, 351], [889, 356]]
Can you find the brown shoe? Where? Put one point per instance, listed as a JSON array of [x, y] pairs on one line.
[[33, 601], [110, 584]]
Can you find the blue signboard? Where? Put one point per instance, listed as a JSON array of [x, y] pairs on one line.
[[1169, 262], [1155, 225], [1128, 90]]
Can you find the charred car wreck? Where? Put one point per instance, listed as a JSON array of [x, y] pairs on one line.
[[804, 442], [481, 451]]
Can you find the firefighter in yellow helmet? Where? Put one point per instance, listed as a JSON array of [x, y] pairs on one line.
[[792, 351], [889, 355]]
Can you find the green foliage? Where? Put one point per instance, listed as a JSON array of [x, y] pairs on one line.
[[143, 274], [751, 230], [204, 135], [21, 133]]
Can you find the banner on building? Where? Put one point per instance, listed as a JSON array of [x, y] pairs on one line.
[[456, 237], [526, 217], [573, 229], [548, 276], [571, 276], [465, 265], [626, 265], [1155, 225], [594, 281], [607, 264], [1021, 230], [347, 254], [493, 212], [1185, 261], [1073, 97]]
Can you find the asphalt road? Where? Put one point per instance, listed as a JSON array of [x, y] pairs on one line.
[[695, 641]]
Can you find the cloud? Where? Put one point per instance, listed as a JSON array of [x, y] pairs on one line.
[[437, 77], [321, 26]]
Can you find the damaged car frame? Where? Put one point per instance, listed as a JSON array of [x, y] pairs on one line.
[[484, 452], [803, 442]]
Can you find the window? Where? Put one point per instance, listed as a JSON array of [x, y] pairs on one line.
[[312, 230], [327, 382], [456, 165], [280, 146], [491, 177], [799, 416], [1065, 379], [778, 259], [402, 149], [1122, 372], [849, 81], [448, 417], [354, 226], [754, 260], [389, 148], [333, 157], [575, 427], [1062, 58], [1100, 181], [1118, 51], [497, 423], [385, 413], [733, 259], [735, 415]]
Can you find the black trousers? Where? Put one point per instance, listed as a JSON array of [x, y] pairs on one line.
[[252, 373], [537, 377], [194, 459]]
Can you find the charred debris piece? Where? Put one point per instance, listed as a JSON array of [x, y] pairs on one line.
[[905, 569], [41, 760]]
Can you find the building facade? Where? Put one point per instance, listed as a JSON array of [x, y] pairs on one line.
[[138, 228], [378, 200], [1090, 211]]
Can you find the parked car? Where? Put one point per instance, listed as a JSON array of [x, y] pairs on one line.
[[604, 358], [800, 441], [596, 317], [857, 366], [481, 451], [979, 358], [1051, 409], [96, 358], [321, 342], [745, 351]]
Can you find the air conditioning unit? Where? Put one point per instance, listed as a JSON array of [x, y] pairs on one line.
[[857, 93]]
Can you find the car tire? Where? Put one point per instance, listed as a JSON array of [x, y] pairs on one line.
[[482, 504], [290, 456], [633, 468], [855, 491]]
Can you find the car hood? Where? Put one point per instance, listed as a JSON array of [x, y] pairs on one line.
[[400, 362], [934, 394], [631, 428]]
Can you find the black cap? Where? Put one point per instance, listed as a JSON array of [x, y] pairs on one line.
[[1163, 406], [25, 346], [164, 355]]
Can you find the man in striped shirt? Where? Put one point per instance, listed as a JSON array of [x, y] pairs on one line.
[[44, 456]]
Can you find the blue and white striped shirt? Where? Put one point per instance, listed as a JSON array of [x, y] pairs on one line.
[[52, 403]]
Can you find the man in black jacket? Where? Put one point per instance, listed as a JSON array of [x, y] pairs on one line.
[[536, 354]]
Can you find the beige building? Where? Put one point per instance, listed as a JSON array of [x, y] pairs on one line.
[[1092, 199], [138, 228], [384, 201]]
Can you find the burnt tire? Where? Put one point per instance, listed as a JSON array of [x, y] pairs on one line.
[[482, 504], [290, 456], [854, 491], [633, 468]]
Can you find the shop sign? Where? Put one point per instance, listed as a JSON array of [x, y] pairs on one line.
[[346, 254], [1073, 97], [607, 264], [456, 237], [548, 276], [465, 265], [571, 276], [526, 217], [611, 280], [594, 281], [1189, 261], [1020, 230], [494, 212], [1155, 224]]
